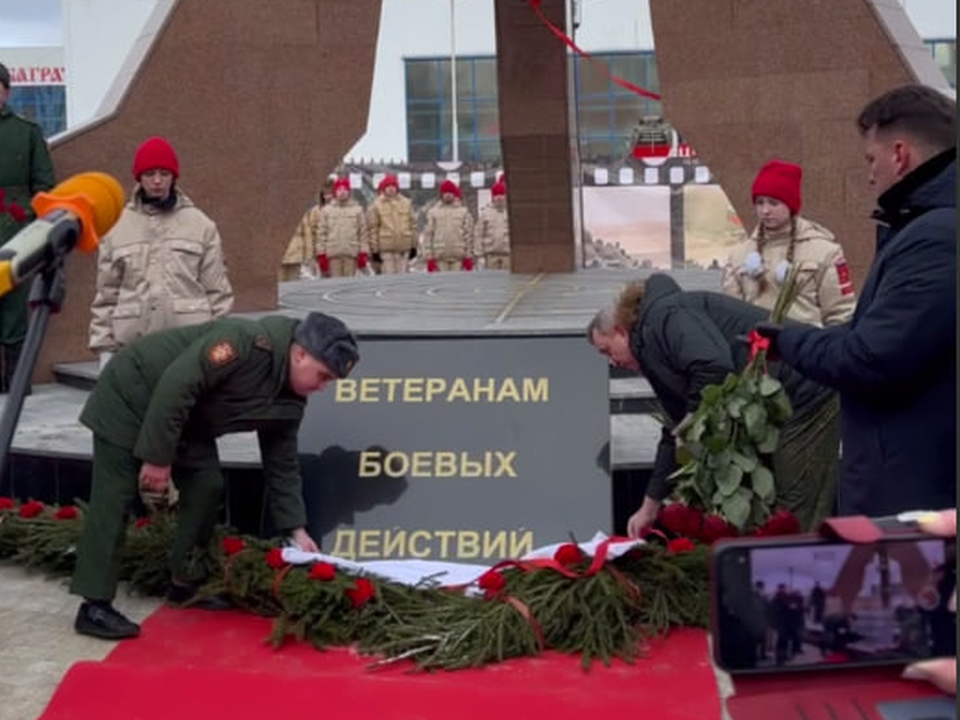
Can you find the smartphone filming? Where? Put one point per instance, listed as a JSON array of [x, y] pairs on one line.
[[806, 603]]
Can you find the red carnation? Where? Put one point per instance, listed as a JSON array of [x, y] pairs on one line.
[[7, 503], [275, 559], [323, 571], [67, 512], [361, 591], [142, 523], [568, 554], [31, 509], [681, 519], [781, 522], [491, 582], [17, 212], [715, 527], [680, 545], [232, 545]]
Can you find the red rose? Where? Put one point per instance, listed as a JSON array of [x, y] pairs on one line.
[[568, 554], [31, 509], [7, 503], [680, 545], [275, 559], [323, 571], [681, 519], [491, 582], [715, 527], [17, 212], [361, 591], [232, 545], [67, 512], [781, 522], [141, 523]]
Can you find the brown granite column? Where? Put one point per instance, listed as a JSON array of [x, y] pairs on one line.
[[748, 80], [535, 136], [261, 102]]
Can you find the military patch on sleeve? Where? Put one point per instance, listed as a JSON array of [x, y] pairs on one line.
[[263, 342], [843, 276], [221, 354]]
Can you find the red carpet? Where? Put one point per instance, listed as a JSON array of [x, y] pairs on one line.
[[194, 665]]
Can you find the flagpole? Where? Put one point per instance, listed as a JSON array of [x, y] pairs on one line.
[[455, 129]]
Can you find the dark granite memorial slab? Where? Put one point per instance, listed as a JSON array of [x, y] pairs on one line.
[[460, 448]]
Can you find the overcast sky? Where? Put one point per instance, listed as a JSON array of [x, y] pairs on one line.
[[26, 23]]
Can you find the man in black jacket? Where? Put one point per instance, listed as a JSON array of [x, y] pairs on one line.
[[894, 364], [684, 341]]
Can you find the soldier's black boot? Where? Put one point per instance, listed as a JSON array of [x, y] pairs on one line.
[[98, 618]]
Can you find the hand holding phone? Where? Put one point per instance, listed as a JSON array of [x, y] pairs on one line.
[[801, 603], [941, 672]]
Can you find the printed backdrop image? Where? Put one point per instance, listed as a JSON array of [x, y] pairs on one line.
[[711, 227], [629, 225]]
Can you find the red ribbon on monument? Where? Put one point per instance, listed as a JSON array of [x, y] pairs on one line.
[[535, 4]]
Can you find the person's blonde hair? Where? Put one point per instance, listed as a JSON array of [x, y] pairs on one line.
[[622, 313], [791, 248]]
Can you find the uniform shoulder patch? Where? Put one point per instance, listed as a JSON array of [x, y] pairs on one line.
[[843, 276], [263, 342], [222, 353]]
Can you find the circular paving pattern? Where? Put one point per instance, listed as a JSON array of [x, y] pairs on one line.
[[477, 302]]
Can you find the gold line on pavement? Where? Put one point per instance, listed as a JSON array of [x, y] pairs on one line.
[[520, 294]]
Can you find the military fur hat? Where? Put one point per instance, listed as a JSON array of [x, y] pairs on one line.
[[4, 76], [329, 341]]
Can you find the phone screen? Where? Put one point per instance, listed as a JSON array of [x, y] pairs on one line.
[[827, 604]]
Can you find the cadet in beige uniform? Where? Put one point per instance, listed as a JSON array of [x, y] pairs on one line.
[[493, 230], [756, 269], [392, 227], [448, 238], [341, 244], [162, 265], [299, 261]]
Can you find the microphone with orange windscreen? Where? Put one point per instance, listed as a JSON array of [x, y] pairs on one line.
[[76, 213]]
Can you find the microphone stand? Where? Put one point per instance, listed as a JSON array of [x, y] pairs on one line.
[[46, 297]]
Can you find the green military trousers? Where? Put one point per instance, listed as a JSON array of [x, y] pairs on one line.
[[807, 463], [115, 486], [13, 315]]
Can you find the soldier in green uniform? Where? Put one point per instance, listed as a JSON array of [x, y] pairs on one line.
[[25, 169], [159, 406]]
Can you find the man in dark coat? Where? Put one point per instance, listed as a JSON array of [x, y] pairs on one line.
[[684, 341], [895, 364], [25, 170], [157, 409]]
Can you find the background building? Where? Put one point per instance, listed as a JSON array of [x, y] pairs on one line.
[[38, 85], [664, 215]]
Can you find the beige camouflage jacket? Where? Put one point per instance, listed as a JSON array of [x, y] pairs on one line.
[[392, 225], [300, 249], [342, 231], [157, 270], [826, 297], [449, 232], [493, 232]]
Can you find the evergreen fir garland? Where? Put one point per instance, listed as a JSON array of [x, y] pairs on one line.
[[571, 604]]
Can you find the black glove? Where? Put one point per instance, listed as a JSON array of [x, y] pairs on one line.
[[769, 330], [412, 254]]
